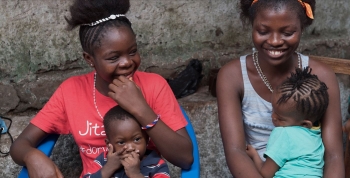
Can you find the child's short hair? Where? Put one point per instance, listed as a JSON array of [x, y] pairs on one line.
[[309, 93], [116, 113]]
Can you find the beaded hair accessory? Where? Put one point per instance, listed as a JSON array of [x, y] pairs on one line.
[[111, 17], [305, 5]]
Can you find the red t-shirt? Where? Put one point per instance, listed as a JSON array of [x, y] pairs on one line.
[[71, 110]]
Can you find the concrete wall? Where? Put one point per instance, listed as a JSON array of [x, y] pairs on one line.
[[35, 45], [37, 54]]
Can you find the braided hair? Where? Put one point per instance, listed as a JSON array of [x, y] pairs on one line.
[[309, 93], [88, 11], [249, 11]]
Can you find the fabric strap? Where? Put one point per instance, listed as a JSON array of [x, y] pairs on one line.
[[306, 6]]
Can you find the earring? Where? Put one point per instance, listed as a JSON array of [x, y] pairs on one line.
[[91, 65]]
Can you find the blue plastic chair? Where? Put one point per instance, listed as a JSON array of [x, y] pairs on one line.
[[194, 171], [47, 145]]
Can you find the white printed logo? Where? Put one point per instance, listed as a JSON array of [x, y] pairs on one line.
[[93, 130]]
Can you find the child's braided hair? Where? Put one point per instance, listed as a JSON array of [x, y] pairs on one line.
[[309, 93]]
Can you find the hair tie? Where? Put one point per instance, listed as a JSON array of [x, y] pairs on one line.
[[305, 5], [307, 8], [111, 17], [254, 2]]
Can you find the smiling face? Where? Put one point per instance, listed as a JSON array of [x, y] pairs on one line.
[[127, 133], [276, 33], [115, 54]]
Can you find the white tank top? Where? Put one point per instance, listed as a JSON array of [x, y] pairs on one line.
[[257, 112]]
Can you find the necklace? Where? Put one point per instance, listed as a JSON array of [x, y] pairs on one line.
[[260, 72], [94, 96]]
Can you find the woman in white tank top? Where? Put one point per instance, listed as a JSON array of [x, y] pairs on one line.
[[245, 85]]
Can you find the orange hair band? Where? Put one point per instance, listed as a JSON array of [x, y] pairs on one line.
[[254, 2], [305, 5], [307, 8]]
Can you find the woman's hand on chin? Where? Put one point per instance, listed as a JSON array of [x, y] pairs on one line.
[[127, 94]]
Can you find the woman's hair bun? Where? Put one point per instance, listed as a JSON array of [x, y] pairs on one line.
[[87, 11]]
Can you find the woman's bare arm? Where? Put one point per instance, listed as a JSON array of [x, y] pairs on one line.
[[23, 151], [331, 123], [229, 90], [176, 147]]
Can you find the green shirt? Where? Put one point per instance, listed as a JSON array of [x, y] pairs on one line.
[[298, 151]]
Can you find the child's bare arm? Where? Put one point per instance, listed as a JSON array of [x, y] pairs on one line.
[[113, 162], [268, 168], [253, 154]]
